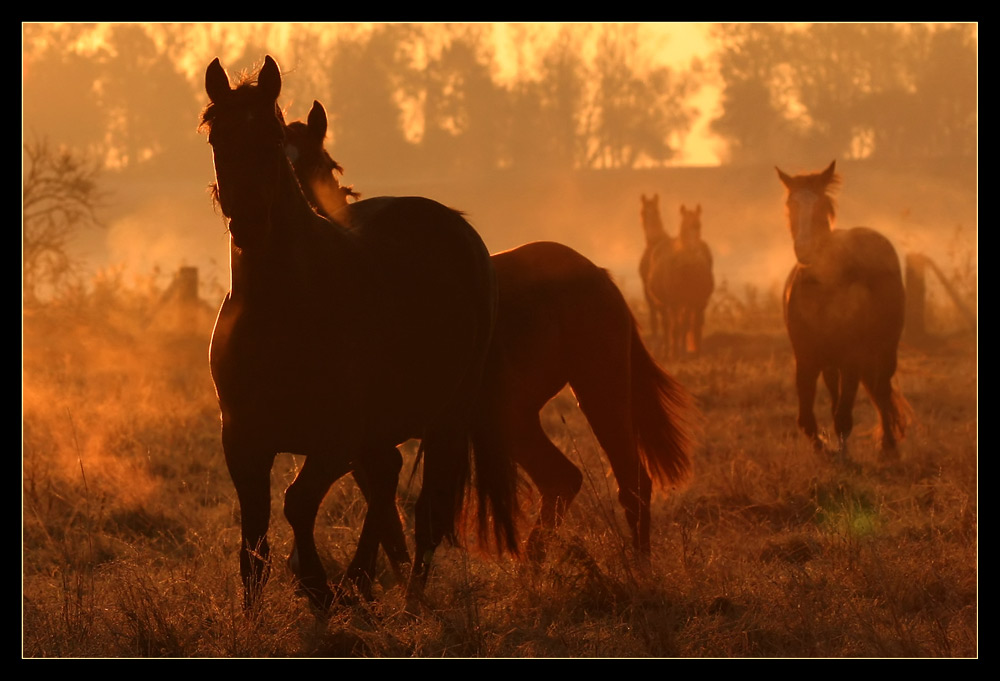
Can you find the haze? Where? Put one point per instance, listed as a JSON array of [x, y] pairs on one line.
[[536, 131]]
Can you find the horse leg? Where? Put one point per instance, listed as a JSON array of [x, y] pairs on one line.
[[879, 386], [699, 325], [806, 375], [302, 500], [690, 344], [680, 332], [250, 470], [831, 378], [605, 399], [667, 336], [634, 493], [394, 540], [676, 334], [843, 416], [557, 479], [380, 468]]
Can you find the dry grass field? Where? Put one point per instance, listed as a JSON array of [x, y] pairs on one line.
[[130, 523]]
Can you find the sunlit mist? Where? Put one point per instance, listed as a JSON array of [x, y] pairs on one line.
[[233, 351]]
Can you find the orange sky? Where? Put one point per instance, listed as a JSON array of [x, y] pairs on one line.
[[672, 44]]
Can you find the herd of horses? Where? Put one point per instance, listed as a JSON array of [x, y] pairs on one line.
[[353, 325]]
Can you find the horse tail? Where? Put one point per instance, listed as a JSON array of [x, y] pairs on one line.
[[460, 455], [664, 417], [457, 460], [496, 482], [445, 455]]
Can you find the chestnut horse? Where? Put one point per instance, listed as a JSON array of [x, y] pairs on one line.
[[844, 303], [561, 319], [677, 278], [340, 339]]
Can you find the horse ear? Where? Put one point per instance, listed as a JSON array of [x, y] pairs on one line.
[[317, 121], [785, 179], [683, 210], [269, 78], [697, 210], [216, 81], [828, 174]]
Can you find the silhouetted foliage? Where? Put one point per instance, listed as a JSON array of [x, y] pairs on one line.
[[636, 112], [463, 107], [847, 90], [368, 75], [60, 196]]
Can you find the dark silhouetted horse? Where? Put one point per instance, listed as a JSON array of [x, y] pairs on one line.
[[338, 340], [677, 278], [560, 320], [844, 303]]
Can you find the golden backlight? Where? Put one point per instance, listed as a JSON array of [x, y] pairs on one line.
[[757, 540]]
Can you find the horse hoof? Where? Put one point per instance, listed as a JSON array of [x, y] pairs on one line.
[[320, 597]]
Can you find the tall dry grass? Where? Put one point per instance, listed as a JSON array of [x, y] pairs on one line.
[[130, 522]]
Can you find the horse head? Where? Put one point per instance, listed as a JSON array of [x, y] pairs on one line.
[[810, 210], [246, 130], [316, 170], [652, 224], [690, 232]]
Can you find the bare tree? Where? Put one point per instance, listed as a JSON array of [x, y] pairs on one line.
[[61, 196]]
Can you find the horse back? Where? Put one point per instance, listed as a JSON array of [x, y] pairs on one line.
[[550, 298]]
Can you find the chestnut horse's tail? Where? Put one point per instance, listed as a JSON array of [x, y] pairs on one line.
[[664, 417]]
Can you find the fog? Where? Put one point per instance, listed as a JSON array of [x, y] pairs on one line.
[[445, 111]]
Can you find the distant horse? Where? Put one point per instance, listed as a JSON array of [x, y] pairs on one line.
[[690, 283], [844, 311], [338, 340], [677, 278], [561, 319], [658, 246]]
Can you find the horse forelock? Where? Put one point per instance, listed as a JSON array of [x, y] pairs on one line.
[[816, 183]]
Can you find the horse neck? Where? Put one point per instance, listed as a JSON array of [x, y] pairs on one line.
[[287, 225], [690, 236], [655, 233]]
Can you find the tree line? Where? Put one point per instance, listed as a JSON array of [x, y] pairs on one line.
[[427, 98], [879, 91], [422, 100]]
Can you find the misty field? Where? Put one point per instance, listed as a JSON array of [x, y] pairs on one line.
[[130, 521]]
